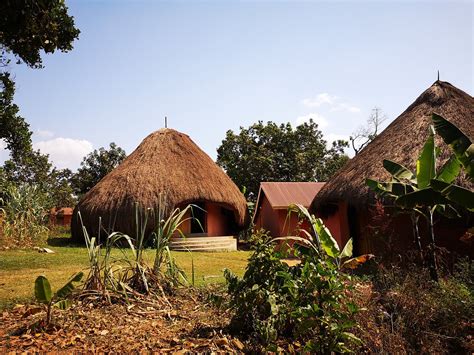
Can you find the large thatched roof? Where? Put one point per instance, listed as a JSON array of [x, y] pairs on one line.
[[167, 162], [401, 142]]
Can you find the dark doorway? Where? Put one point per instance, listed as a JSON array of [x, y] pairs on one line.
[[198, 223]]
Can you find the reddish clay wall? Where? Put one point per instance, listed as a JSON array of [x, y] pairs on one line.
[[338, 224], [216, 221], [378, 231], [268, 218], [215, 224], [276, 221]]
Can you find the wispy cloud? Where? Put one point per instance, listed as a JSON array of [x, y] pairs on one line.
[[335, 103], [319, 100], [316, 117], [44, 134], [65, 152]]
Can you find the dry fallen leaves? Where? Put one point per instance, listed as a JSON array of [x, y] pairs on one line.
[[191, 325]]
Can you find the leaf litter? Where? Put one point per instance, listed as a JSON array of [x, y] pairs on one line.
[[188, 324]]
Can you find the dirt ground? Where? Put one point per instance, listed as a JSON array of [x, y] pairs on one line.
[[190, 324]]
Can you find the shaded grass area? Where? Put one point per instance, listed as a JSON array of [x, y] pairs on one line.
[[19, 268]]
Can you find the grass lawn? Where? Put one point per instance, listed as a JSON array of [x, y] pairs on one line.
[[19, 268]]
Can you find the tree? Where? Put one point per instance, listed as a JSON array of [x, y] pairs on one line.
[[34, 169], [95, 166], [62, 194], [13, 128], [29, 27], [366, 134], [271, 152]]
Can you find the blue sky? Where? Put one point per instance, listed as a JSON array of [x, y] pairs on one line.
[[214, 66]]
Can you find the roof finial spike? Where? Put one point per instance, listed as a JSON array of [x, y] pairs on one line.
[[166, 122], [438, 75]]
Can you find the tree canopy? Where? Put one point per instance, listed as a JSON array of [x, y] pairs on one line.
[[95, 166], [271, 152], [13, 128], [29, 27]]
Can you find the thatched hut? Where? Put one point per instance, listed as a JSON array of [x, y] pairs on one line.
[[347, 204], [169, 163]]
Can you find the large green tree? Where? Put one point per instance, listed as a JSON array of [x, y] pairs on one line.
[[13, 128], [28, 28], [95, 166], [271, 152]]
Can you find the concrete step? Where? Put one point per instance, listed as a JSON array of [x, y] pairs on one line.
[[223, 243], [191, 242]]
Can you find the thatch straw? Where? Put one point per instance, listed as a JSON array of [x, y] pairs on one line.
[[166, 162], [401, 142]]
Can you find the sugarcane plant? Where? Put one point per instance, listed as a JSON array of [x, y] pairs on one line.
[[164, 265], [429, 191]]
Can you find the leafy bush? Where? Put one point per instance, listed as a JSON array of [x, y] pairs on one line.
[[308, 302], [23, 216]]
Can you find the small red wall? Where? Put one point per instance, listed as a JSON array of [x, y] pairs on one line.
[[216, 224], [216, 221], [268, 218], [338, 224], [276, 221], [386, 234]]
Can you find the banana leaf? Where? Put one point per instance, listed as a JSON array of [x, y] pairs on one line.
[[426, 163]]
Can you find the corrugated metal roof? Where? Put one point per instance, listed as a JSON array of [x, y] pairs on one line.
[[282, 194]]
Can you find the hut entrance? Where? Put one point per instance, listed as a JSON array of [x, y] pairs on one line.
[[198, 223]]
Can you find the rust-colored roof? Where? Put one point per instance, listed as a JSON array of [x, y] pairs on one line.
[[65, 211], [282, 194]]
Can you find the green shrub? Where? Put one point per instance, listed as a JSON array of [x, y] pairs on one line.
[[305, 298]]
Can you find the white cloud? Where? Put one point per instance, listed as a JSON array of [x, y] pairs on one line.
[[320, 120], [44, 134], [65, 152], [319, 100], [334, 102], [345, 107]]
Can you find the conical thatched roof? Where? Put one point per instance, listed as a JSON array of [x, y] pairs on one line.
[[401, 142], [167, 162]]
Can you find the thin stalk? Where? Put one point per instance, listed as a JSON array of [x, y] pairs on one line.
[[48, 314], [433, 267], [416, 233]]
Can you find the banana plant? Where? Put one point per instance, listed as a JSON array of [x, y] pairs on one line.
[[461, 145], [321, 241], [44, 295], [428, 190], [463, 157]]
